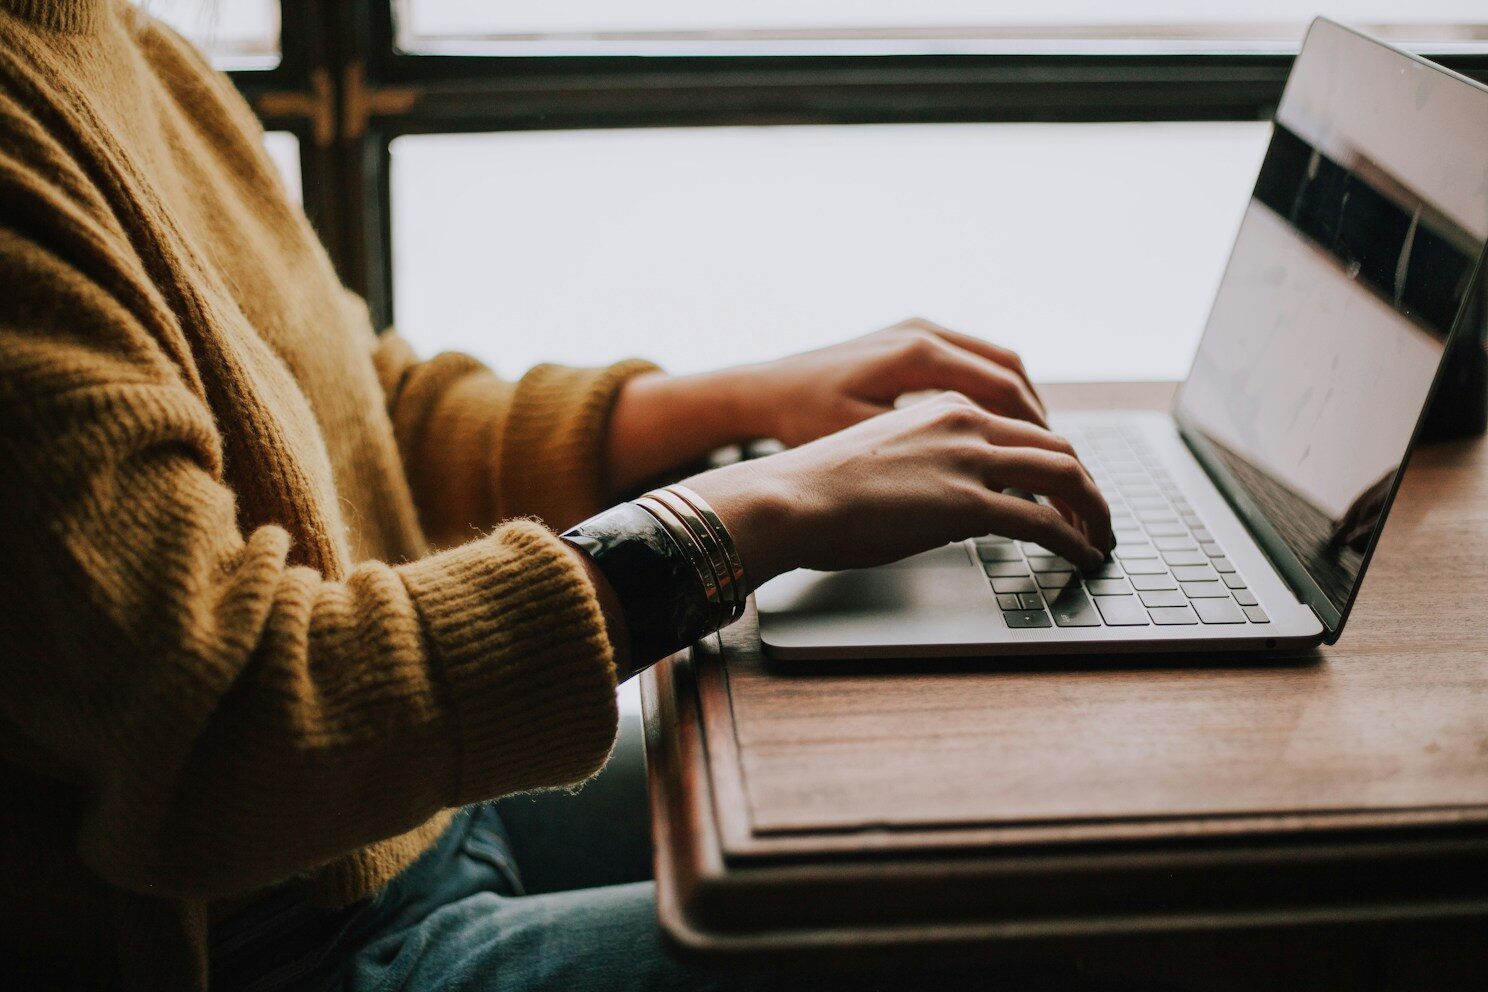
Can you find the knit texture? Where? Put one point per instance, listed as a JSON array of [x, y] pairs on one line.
[[231, 660]]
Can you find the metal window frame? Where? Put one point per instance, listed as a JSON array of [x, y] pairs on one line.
[[346, 91]]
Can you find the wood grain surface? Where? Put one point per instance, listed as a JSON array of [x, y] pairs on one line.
[[781, 784]]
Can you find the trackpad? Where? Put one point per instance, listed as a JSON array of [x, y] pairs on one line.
[[899, 603]]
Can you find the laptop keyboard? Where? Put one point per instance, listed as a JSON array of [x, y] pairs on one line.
[[1167, 568]]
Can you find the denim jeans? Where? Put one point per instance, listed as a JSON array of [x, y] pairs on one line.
[[459, 918], [456, 920]]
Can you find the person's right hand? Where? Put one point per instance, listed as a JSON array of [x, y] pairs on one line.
[[905, 482]]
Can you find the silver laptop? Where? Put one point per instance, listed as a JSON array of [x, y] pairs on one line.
[[1245, 517]]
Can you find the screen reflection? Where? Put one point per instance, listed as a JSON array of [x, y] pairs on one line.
[[1354, 257]]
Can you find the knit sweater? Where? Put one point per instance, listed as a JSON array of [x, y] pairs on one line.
[[230, 659]]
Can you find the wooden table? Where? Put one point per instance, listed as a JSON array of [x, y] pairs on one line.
[[1007, 809]]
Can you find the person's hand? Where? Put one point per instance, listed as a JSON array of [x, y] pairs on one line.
[[661, 422], [904, 482], [816, 393]]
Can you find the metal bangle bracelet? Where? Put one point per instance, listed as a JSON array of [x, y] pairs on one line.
[[730, 600], [689, 546], [658, 588], [730, 550]]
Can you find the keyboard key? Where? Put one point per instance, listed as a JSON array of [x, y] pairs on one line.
[[1173, 529], [1072, 609], [1256, 615], [1121, 611], [1018, 585], [1194, 573], [1193, 590], [1108, 587], [1128, 535], [1026, 618], [1222, 565], [1147, 583], [1218, 611], [1200, 534], [1184, 543], [1057, 580], [1159, 517], [1107, 570], [1169, 615], [1185, 558], [1125, 551], [999, 552], [1050, 564], [1245, 597], [1233, 581], [1211, 549], [1003, 569], [1161, 598], [990, 540], [1009, 601], [1030, 601], [1192, 520], [1144, 566]]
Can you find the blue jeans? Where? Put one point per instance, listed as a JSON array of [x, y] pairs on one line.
[[456, 921], [458, 918]]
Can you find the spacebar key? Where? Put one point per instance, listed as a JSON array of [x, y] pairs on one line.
[[1072, 609], [1122, 611]]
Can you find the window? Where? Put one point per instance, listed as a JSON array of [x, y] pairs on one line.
[[284, 149], [242, 35], [876, 27], [698, 247]]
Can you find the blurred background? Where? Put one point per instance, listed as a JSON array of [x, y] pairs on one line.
[[724, 182]]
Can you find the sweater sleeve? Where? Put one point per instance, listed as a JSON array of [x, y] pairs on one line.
[[478, 449], [228, 716]]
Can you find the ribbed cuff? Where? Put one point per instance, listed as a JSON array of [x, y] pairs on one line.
[[553, 451], [519, 638]]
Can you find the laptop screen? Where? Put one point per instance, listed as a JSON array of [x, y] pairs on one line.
[[1355, 257]]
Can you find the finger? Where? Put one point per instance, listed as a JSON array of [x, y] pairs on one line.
[[984, 382], [1059, 477], [1013, 433], [1005, 357], [1007, 432], [1068, 513], [1025, 521]]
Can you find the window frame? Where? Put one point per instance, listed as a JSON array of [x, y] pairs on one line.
[[346, 91]]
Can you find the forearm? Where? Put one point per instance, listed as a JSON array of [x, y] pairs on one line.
[[478, 450], [662, 423]]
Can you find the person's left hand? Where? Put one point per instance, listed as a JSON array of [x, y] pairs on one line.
[[661, 422], [810, 395]]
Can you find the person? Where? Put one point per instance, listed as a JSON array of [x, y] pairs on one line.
[[285, 605]]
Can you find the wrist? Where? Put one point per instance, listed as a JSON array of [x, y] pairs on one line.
[[662, 422], [741, 397], [759, 515]]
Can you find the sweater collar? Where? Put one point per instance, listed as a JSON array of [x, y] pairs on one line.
[[58, 15]]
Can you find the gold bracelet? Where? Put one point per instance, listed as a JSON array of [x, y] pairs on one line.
[[730, 550], [731, 602], [690, 549]]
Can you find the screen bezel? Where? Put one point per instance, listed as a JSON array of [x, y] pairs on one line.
[[1281, 556]]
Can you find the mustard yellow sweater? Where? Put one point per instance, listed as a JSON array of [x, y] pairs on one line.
[[228, 659]]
